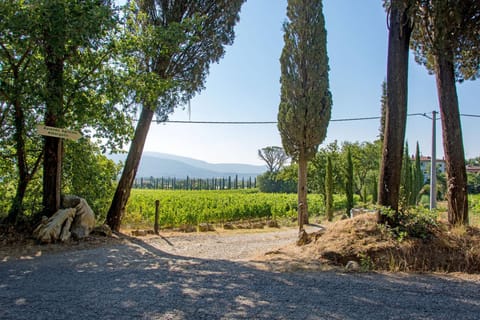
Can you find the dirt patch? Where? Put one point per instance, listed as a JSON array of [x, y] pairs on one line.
[[374, 247]]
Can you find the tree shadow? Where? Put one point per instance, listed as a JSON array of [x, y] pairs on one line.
[[138, 281]]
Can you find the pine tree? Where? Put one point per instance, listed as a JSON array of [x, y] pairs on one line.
[[446, 40], [305, 100], [169, 53]]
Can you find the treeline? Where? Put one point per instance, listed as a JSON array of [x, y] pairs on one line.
[[350, 168], [172, 183]]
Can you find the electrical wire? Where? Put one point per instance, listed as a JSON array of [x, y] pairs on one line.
[[426, 115]]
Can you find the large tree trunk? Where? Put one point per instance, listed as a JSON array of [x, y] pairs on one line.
[[396, 115], [53, 151], [122, 193], [302, 192], [452, 141]]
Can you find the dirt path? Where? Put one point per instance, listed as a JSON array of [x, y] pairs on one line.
[[209, 277]]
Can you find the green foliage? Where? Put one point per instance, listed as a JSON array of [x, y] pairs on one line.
[[349, 182], [413, 222], [193, 207], [383, 111], [329, 190], [448, 28], [366, 162], [305, 103], [89, 174], [273, 182], [412, 180]]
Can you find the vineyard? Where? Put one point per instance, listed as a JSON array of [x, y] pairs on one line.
[[193, 207]]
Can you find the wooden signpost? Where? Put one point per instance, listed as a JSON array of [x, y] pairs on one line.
[[58, 132], [51, 199]]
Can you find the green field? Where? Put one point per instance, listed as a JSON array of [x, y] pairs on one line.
[[180, 207]]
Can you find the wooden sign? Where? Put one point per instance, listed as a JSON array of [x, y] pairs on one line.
[[58, 132]]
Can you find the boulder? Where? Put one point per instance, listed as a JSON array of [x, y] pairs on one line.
[[57, 227], [76, 219], [84, 221]]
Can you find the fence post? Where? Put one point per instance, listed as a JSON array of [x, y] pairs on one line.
[[155, 226]]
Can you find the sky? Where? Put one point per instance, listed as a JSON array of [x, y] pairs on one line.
[[244, 86]]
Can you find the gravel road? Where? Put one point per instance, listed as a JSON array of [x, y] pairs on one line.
[[210, 277]]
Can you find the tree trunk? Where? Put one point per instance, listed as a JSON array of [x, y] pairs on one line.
[[53, 151], [302, 192], [122, 193], [23, 177], [452, 141], [396, 115]]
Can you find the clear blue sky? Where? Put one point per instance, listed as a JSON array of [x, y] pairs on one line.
[[244, 86]]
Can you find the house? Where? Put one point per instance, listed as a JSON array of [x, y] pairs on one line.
[[425, 164], [473, 169]]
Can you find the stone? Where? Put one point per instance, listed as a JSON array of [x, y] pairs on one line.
[[139, 233], [228, 226], [84, 221], [76, 219], [303, 238], [103, 230], [204, 227], [352, 266], [57, 227], [258, 225], [273, 224]]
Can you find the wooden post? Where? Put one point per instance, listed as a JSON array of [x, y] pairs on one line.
[[155, 226]]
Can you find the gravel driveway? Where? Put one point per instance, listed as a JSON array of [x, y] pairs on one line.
[[210, 277]]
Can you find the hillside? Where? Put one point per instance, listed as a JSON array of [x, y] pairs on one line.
[[155, 164]]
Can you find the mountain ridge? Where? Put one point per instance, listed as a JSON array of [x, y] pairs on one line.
[[156, 164]]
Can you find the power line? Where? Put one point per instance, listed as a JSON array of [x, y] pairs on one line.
[[275, 122]]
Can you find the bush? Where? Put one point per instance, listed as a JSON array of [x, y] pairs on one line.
[[271, 183]]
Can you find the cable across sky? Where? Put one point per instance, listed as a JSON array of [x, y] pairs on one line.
[[275, 122]]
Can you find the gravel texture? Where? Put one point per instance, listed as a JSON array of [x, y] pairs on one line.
[[210, 277]]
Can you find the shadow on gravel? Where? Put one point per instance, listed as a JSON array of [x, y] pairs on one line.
[[138, 281]]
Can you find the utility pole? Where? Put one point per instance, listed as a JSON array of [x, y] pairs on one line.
[[433, 167]]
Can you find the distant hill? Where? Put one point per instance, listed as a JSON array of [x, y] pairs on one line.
[[155, 164]]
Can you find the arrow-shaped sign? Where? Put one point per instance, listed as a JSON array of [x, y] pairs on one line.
[[58, 132]]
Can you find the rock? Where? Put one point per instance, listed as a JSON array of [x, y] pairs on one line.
[[258, 225], [188, 228], [84, 221], [103, 230], [303, 238], [204, 227], [57, 227], [139, 233], [273, 224], [228, 226], [352, 266]]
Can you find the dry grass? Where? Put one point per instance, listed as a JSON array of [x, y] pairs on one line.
[[376, 248]]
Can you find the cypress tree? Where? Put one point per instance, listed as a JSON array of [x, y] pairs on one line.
[[305, 99], [419, 178], [349, 182], [329, 190]]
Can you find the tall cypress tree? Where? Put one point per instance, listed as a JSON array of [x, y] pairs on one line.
[[419, 179], [400, 29], [305, 100], [329, 189], [349, 182]]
